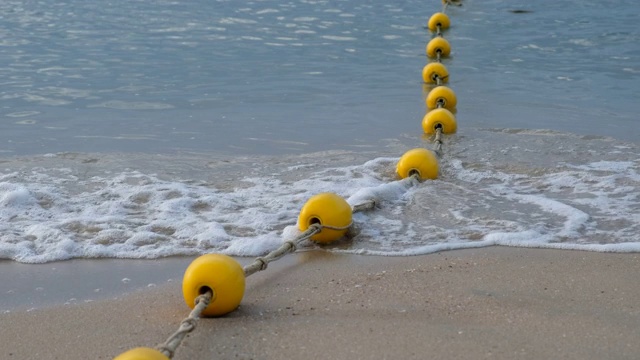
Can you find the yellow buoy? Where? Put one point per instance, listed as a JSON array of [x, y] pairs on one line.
[[439, 118], [420, 161], [220, 273], [442, 95], [438, 19], [431, 70], [141, 353], [438, 44], [327, 209]]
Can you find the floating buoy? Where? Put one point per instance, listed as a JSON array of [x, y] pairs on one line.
[[438, 44], [443, 95], [220, 273], [328, 210], [431, 70], [141, 353], [439, 118], [418, 161], [438, 19]]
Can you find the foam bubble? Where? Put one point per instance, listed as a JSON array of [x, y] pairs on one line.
[[339, 38], [62, 206], [130, 105]]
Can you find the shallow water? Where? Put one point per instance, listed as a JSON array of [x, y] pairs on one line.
[[150, 129], [497, 187]]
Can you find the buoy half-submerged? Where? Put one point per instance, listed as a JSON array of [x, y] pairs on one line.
[[329, 210], [418, 161]]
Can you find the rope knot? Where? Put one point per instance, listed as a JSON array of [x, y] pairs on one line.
[[188, 324], [263, 263], [292, 245]]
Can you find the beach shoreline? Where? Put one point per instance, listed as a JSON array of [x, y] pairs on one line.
[[496, 302]]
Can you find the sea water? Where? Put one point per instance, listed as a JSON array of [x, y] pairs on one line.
[[145, 129]]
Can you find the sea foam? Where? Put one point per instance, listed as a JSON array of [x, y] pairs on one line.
[[58, 207]]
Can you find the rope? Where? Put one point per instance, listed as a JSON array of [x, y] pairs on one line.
[[186, 326], [438, 141], [367, 205], [438, 80], [261, 263]]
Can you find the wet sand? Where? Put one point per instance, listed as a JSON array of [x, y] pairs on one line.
[[490, 303]]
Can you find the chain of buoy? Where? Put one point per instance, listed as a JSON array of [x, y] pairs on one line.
[[214, 284], [441, 101], [169, 347]]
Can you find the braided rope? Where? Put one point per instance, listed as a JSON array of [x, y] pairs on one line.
[[367, 205], [438, 141], [168, 348], [438, 80], [261, 263]]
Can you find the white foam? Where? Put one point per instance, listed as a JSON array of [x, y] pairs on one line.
[[233, 20], [388, 192], [267, 11], [305, 19], [339, 38], [575, 218], [130, 105], [581, 42], [59, 212]]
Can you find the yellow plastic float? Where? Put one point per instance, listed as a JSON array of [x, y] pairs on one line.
[[440, 117], [328, 210], [444, 95], [142, 353], [418, 161], [438, 19], [220, 273], [438, 44], [431, 70]]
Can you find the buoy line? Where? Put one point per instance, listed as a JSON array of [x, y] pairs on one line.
[[441, 101], [214, 284], [202, 301]]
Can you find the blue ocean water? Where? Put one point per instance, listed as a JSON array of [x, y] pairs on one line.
[[142, 129]]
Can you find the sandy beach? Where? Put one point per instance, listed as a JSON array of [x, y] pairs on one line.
[[490, 303]]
